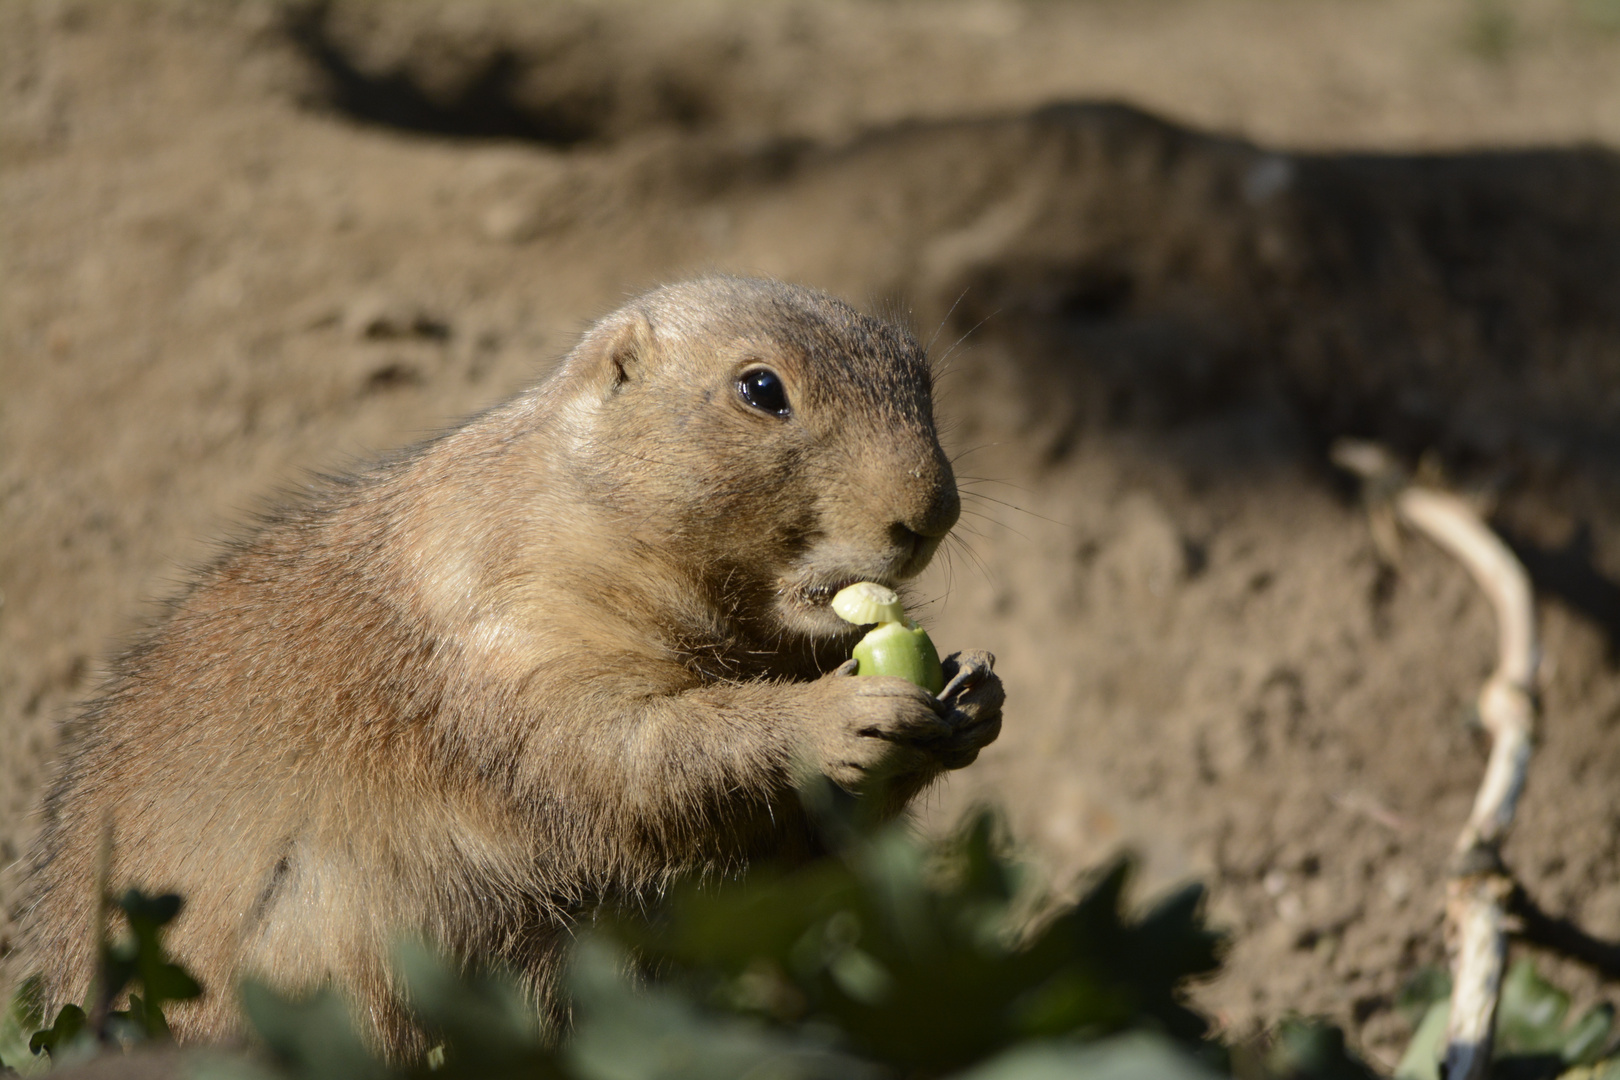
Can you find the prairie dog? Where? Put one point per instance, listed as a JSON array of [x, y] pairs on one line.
[[543, 662]]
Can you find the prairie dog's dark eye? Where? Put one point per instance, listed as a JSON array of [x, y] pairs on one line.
[[762, 388]]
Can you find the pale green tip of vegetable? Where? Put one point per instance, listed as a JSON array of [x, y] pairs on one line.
[[867, 602], [898, 646]]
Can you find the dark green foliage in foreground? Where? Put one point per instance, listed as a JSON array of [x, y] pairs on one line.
[[890, 959], [917, 965], [135, 959]]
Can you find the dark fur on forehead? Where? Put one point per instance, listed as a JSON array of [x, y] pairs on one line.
[[841, 347]]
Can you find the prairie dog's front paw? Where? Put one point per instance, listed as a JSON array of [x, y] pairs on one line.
[[973, 697], [873, 727]]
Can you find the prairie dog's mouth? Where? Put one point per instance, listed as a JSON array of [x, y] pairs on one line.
[[805, 607], [808, 606], [821, 595]]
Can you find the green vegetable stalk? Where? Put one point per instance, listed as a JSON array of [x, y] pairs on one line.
[[896, 646]]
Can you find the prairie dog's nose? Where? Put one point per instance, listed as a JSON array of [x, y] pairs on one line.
[[931, 506], [935, 513]]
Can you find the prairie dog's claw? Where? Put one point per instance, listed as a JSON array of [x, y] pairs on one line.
[[964, 669]]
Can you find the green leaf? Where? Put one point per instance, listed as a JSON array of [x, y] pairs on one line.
[[220, 1065], [653, 1033], [1137, 1056], [23, 1016], [149, 913], [1422, 990], [62, 1032], [1531, 1021], [1422, 1058], [311, 1038], [143, 958], [1589, 1035], [1530, 1016], [1608, 1069], [1309, 1048], [488, 1026]]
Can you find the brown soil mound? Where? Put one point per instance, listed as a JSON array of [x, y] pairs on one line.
[[239, 240]]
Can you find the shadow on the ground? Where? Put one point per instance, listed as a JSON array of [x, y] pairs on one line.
[[568, 89], [1143, 275], [1570, 573], [483, 103], [1462, 303]]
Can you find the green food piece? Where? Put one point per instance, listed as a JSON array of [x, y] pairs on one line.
[[897, 646], [894, 649]]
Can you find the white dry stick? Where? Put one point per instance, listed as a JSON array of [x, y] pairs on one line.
[[1506, 705], [1479, 889], [1477, 894]]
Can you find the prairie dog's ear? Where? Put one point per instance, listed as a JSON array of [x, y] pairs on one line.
[[614, 351]]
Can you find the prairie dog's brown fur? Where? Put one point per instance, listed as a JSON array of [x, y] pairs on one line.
[[543, 662]]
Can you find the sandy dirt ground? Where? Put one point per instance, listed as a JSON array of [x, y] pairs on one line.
[[1167, 249]]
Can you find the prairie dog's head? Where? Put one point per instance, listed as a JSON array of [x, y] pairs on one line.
[[769, 434]]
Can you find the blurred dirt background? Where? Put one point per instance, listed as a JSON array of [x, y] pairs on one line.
[[1168, 249]]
